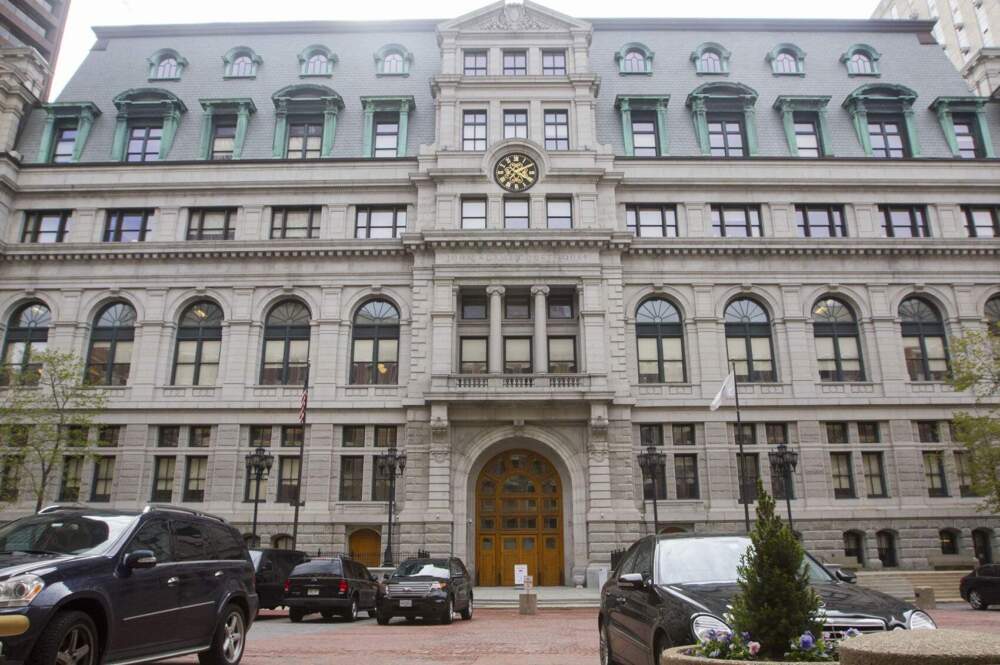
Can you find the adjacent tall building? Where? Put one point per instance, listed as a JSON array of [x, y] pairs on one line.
[[519, 247], [34, 24]]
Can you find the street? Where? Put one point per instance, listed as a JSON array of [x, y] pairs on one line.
[[494, 637]]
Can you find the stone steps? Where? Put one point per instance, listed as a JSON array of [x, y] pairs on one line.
[[901, 584]]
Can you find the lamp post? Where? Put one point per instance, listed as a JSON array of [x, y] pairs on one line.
[[390, 465], [650, 462], [783, 462], [259, 464]]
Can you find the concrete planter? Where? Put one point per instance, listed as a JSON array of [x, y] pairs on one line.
[[678, 656]]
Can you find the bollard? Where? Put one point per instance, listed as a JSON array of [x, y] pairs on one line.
[[924, 598], [528, 603]]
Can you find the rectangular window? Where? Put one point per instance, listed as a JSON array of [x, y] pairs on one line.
[[474, 306], [305, 138], [562, 355], [745, 433], [748, 468], [683, 434], [200, 436], [64, 144], [843, 476], [195, 478], [736, 221], [380, 222], [651, 221], [294, 223], [645, 138], [981, 222], [386, 139], [559, 213], [515, 63], [515, 124], [45, 226], [381, 481], [260, 436], [126, 225], [104, 475], [354, 436], [650, 435], [928, 431], [163, 479], [776, 433], [474, 131], [474, 63], [517, 355], [292, 436], [807, 141], [109, 436], [385, 436], [144, 143], [251, 492], [821, 221], [905, 221], [211, 224], [515, 213], [352, 471], [874, 475], [561, 305], [726, 136], [474, 214], [554, 63], [937, 486], [472, 358], [887, 137], [970, 145], [168, 436], [661, 483], [223, 140], [836, 433], [964, 474], [557, 130], [288, 479], [686, 476], [69, 487], [869, 433]]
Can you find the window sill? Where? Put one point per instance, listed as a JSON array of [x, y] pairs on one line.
[[392, 75], [316, 76], [864, 74], [233, 77], [635, 73], [792, 74]]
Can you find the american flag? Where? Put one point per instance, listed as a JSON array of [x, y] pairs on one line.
[[303, 405]]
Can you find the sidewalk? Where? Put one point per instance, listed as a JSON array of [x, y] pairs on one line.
[[549, 597]]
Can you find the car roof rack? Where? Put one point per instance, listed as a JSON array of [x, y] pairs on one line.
[[63, 506], [167, 508]]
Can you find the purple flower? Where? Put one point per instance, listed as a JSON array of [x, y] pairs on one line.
[[807, 641], [711, 634], [725, 637], [746, 636], [753, 648]]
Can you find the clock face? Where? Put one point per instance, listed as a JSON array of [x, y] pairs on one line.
[[516, 172]]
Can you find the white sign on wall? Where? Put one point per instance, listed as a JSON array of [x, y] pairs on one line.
[[520, 572]]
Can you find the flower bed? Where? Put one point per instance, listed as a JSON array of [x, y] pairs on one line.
[[679, 656]]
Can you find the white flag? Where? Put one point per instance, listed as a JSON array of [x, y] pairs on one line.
[[728, 389]]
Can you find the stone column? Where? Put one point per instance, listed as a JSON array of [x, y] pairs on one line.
[[541, 338], [495, 344]]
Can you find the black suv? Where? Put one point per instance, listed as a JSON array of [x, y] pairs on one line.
[[273, 568], [335, 586], [671, 591], [85, 586], [981, 587], [427, 588]]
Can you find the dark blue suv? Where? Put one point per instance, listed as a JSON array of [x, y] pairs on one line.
[[81, 587]]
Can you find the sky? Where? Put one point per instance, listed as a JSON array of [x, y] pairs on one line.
[[83, 14]]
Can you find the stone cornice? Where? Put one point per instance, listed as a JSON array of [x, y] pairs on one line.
[[801, 246], [233, 250]]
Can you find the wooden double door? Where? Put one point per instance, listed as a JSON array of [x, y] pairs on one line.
[[519, 520]]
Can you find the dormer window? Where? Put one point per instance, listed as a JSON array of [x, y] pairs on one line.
[[634, 58], [166, 65], [168, 69], [243, 66], [306, 121], [393, 64], [861, 60], [393, 60], [860, 63], [67, 127], [317, 64], [146, 124], [784, 63], [710, 62], [635, 61], [241, 63], [787, 60], [711, 58], [316, 60]]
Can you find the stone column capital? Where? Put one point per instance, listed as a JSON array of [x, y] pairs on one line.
[[539, 290], [495, 290]]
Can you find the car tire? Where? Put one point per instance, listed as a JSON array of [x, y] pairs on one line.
[[411, 619], [467, 612], [57, 641], [372, 614], [383, 619], [351, 614], [976, 601], [449, 612], [328, 614], [659, 646], [295, 616], [229, 641], [605, 646]]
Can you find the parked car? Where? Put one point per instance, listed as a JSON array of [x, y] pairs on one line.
[[427, 588], [671, 590], [86, 586], [981, 587], [272, 568], [335, 586]]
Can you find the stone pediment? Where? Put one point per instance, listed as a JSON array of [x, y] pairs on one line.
[[514, 17]]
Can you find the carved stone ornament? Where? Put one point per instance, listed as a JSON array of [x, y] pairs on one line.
[[512, 18], [599, 428], [439, 455]]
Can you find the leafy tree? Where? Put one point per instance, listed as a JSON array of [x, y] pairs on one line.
[[975, 363], [45, 412], [775, 603]]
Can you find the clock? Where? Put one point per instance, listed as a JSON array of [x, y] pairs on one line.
[[516, 172]]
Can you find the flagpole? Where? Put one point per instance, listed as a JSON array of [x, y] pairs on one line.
[[741, 464], [303, 405]]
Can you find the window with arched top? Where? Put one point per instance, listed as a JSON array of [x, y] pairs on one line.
[[860, 63], [392, 64], [241, 62], [27, 336], [393, 60], [375, 344], [167, 69], [242, 66], [886, 543], [748, 341], [861, 60], [785, 63], [316, 64], [282, 542], [635, 62], [166, 65], [854, 546], [993, 315], [710, 62], [660, 342], [949, 541], [316, 60], [110, 356], [634, 58], [286, 345], [924, 344], [199, 345], [787, 60], [838, 348]]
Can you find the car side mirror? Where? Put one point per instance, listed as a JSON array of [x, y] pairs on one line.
[[632, 581], [139, 560], [846, 576]]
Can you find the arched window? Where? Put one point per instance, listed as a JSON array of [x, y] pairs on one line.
[[251, 541], [241, 62], [286, 345], [27, 335], [982, 545], [886, 541], [710, 62], [392, 64], [242, 66], [861, 60], [924, 345], [748, 341], [854, 546], [316, 64], [993, 315], [167, 69], [282, 542], [375, 344], [166, 64], [316, 60], [659, 335], [634, 58], [837, 347], [199, 345], [949, 541], [860, 63], [635, 61], [110, 356], [785, 63]]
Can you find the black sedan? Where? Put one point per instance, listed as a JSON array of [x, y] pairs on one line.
[[981, 587], [671, 590], [427, 588]]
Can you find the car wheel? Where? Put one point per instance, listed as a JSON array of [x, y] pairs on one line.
[[372, 614], [411, 619], [328, 614], [352, 613], [449, 612], [383, 619], [659, 646], [467, 612], [605, 645], [230, 638], [976, 601], [69, 639], [295, 616]]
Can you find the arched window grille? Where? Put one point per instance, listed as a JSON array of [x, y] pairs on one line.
[[27, 335], [924, 345], [110, 357], [659, 337], [748, 341], [838, 349], [375, 344], [286, 344], [199, 345]]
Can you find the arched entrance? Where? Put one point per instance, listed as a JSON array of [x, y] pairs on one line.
[[519, 519], [364, 545]]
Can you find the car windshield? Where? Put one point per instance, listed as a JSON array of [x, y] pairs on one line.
[[425, 568], [59, 533], [319, 567], [255, 556], [706, 560]]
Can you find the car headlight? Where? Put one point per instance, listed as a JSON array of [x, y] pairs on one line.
[[438, 586], [702, 624], [920, 621], [20, 591]]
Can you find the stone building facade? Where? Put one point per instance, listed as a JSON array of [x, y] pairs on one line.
[[257, 203]]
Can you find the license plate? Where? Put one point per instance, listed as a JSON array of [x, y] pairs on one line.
[[406, 603], [312, 592]]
